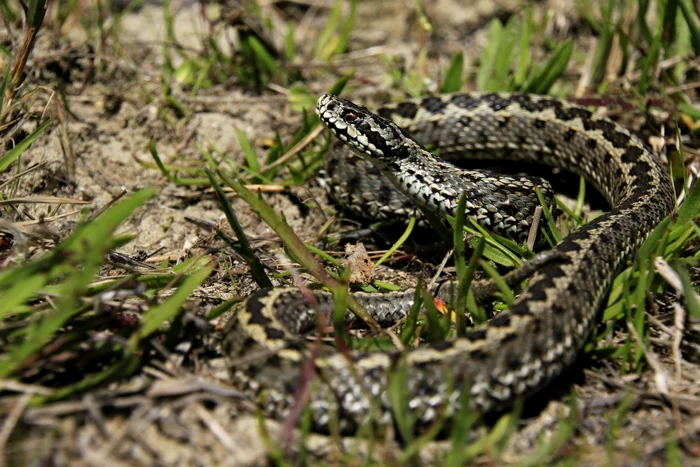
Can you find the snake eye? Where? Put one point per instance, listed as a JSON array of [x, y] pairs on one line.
[[349, 116]]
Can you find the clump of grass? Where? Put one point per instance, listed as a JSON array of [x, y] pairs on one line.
[[55, 303], [512, 43], [335, 36], [297, 158], [637, 43], [11, 98]]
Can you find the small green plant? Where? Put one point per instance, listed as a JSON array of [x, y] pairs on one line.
[[659, 30], [512, 44], [335, 36]]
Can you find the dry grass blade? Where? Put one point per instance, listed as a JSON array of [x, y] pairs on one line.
[[42, 200]]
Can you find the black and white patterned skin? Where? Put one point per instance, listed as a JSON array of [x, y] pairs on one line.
[[522, 349], [502, 204]]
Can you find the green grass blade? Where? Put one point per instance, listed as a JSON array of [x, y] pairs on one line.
[[542, 82], [4, 86], [603, 47], [256, 268], [295, 245], [164, 170], [524, 54], [546, 210], [154, 318], [650, 61], [263, 55], [690, 209], [15, 152], [83, 252], [251, 157], [507, 294], [689, 289], [453, 76], [690, 16], [20, 292], [402, 239], [488, 57], [397, 392]]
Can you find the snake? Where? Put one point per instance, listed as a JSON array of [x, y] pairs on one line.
[[389, 169]]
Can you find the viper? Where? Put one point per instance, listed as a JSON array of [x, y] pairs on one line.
[[520, 350]]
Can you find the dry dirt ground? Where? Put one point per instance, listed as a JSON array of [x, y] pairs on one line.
[[171, 414]]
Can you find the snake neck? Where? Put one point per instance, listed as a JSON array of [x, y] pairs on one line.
[[436, 187]]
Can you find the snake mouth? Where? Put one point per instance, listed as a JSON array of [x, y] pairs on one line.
[[325, 102]]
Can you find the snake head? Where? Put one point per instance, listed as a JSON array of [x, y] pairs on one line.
[[367, 134]]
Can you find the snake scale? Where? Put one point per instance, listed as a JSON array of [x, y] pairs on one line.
[[519, 351]]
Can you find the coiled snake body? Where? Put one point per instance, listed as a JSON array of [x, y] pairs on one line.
[[520, 350]]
